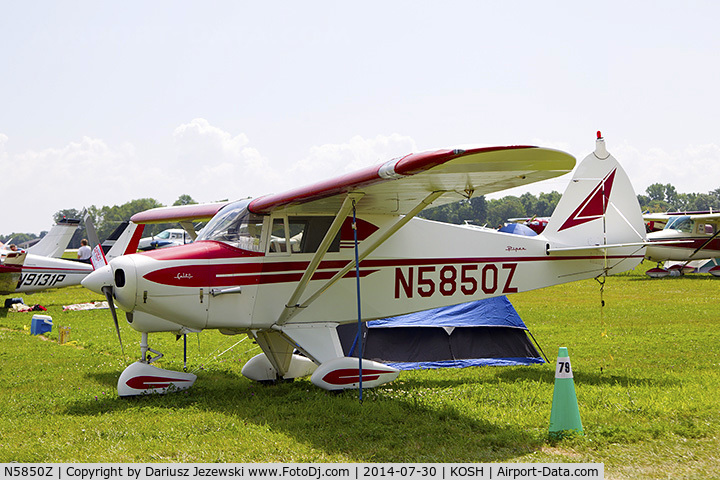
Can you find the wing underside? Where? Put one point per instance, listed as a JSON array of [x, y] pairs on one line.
[[696, 217]]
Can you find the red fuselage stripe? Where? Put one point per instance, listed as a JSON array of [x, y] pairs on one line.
[[283, 272], [692, 243]]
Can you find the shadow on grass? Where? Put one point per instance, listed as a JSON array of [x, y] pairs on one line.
[[105, 378], [689, 277], [584, 378], [384, 428]]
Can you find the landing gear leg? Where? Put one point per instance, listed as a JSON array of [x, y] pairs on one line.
[[144, 349]]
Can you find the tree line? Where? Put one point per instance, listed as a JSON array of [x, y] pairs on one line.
[[494, 213], [665, 198]]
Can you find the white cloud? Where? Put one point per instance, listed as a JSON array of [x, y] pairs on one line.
[[693, 169], [214, 164], [199, 141], [329, 160], [3, 153], [38, 183], [209, 163]]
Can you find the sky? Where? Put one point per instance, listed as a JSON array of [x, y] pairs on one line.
[[105, 102]]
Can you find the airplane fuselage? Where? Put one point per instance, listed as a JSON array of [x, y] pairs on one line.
[[696, 241], [39, 273]]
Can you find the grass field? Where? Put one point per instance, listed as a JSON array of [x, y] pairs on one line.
[[646, 366]]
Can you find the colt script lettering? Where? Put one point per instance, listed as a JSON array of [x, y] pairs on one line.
[[450, 279]]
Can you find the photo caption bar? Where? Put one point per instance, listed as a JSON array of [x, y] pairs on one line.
[[304, 471]]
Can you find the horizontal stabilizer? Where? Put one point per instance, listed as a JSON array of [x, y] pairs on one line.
[[609, 247]]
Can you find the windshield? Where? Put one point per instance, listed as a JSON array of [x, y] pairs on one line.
[[163, 234], [682, 224], [236, 226]]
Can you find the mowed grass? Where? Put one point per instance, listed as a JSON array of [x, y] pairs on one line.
[[646, 366]]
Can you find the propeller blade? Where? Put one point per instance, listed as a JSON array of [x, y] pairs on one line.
[[108, 291]]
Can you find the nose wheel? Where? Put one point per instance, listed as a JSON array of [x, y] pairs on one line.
[[142, 378]]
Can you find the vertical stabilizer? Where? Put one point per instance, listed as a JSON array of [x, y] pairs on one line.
[[56, 241], [599, 206], [127, 242]]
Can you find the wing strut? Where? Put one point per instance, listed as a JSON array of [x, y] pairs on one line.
[[367, 251], [189, 229], [291, 306]]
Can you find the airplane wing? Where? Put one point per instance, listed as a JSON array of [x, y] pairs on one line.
[[704, 216], [397, 186], [664, 217], [181, 213]]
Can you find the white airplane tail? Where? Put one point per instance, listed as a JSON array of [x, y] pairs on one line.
[[123, 241], [126, 242], [56, 241], [599, 209]]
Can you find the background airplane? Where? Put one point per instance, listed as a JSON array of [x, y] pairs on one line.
[[536, 224], [39, 268], [687, 242], [286, 269], [167, 238]]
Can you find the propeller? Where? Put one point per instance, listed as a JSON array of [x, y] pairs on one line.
[[108, 291], [102, 281]]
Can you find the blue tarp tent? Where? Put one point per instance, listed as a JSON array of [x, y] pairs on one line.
[[484, 332], [518, 229]]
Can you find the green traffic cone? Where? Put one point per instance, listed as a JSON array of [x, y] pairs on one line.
[[565, 415]]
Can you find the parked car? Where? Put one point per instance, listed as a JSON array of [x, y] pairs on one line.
[[166, 238]]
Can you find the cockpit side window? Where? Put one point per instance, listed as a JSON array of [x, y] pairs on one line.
[[304, 235], [278, 241], [681, 224]]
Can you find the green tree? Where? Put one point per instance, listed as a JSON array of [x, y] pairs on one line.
[[501, 209], [108, 218], [184, 200], [546, 204], [656, 191], [671, 195], [479, 210]]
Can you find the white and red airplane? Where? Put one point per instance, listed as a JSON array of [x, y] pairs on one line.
[[39, 268], [686, 241], [282, 268]]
